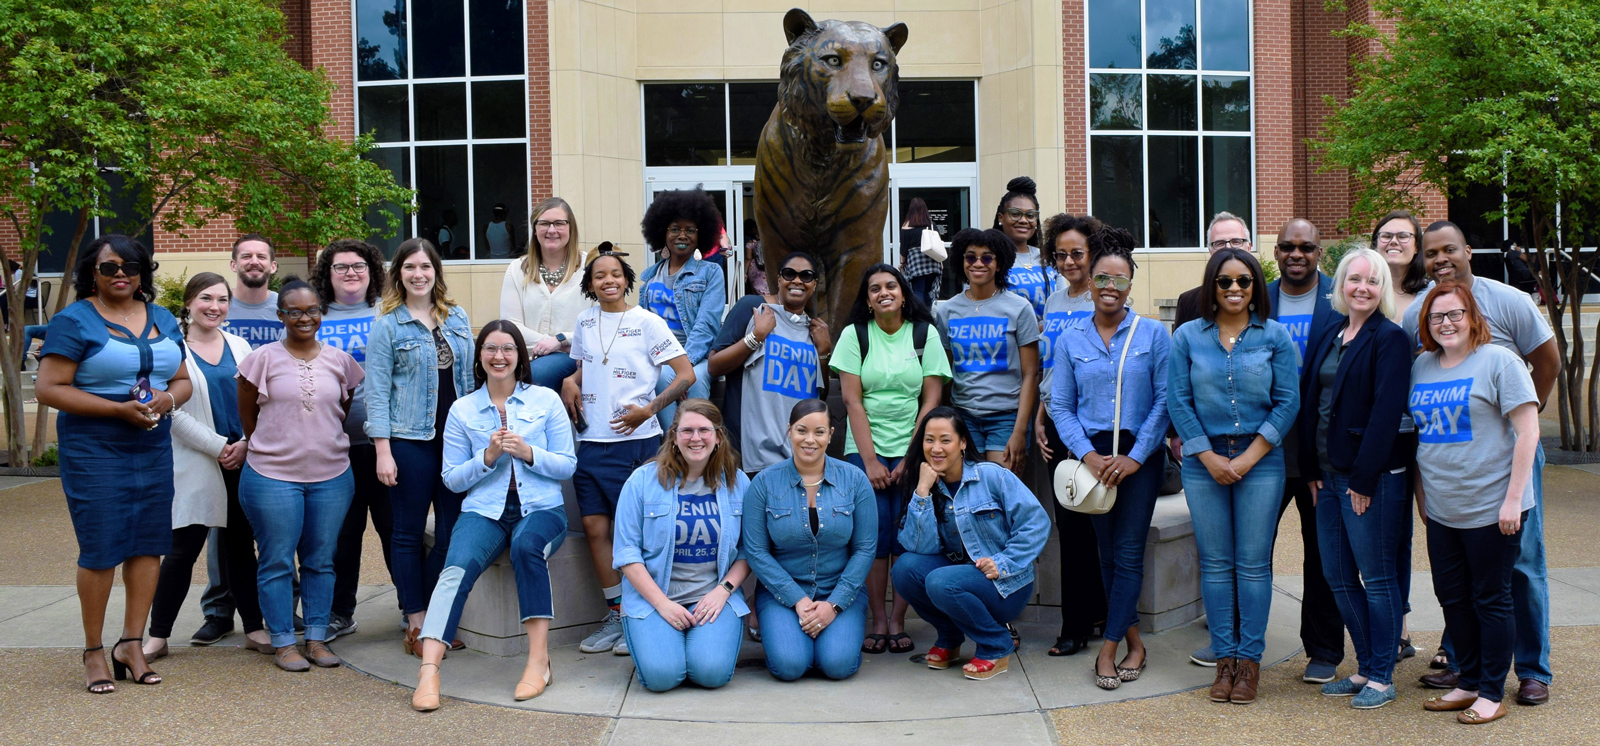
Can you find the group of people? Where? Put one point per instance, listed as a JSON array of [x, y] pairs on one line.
[[277, 423]]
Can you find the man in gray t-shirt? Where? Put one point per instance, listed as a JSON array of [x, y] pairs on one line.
[[253, 309], [985, 339]]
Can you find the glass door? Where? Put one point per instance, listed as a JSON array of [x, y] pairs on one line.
[[733, 200], [949, 203]]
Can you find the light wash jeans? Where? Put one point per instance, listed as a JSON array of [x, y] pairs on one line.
[[960, 602], [1233, 530], [791, 652], [705, 654], [475, 543], [292, 518]]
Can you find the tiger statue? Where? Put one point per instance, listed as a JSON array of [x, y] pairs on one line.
[[822, 170]]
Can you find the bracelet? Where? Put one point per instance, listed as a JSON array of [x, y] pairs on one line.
[[751, 342]]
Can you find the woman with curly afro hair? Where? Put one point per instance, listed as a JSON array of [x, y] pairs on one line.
[[688, 293]]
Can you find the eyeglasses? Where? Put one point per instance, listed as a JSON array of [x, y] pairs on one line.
[[296, 314], [1120, 283], [345, 269], [509, 350], [1401, 237], [984, 259], [1245, 281], [546, 224], [110, 269], [1435, 319], [690, 231], [1304, 248], [1017, 213], [789, 274], [1076, 255], [1229, 243], [696, 432]]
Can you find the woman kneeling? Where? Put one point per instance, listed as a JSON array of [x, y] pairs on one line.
[[971, 534]]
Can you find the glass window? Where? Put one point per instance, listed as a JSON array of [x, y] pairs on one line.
[[438, 39], [1227, 102], [1227, 182], [1114, 34], [1174, 198], [442, 198], [1169, 29], [125, 215], [1172, 102], [936, 122], [398, 162], [1115, 102], [1116, 178], [685, 124], [749, 107], [497, 47], [384, 112], [499, 109], [1227, 32], [499, 186], [380, 40], [441, 111]]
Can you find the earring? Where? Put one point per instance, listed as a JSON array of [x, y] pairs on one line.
[[1252, 307]]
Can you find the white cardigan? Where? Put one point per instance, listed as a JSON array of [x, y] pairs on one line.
[[536, 310], [199, 495]]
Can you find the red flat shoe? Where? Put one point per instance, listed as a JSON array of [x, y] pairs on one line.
[[941, 658]]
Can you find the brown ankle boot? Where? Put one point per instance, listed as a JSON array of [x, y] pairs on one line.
[[1222, 688], [1245, 683]]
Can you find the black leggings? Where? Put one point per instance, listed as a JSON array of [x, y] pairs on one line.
[[188, 542], [370, 496], [1083, 593], [176, 570]]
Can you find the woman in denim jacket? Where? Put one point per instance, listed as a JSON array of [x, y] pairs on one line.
[[677, 545], [1232, 391], [417, 366], [689, 293], [971, 534], [508, 446], [811, 534]]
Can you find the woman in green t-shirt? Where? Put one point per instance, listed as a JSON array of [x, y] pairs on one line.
[[886, 397]]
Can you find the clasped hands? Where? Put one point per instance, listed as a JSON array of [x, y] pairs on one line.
[[1110, 470], [705, 612], [506, 441]]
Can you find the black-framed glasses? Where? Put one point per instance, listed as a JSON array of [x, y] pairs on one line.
[[296, 314], [359, 268], [1435, 319], [1117, 281], [790, 274], [984, 259], [110, 269], [1304, 248], [1229, 243], [546, 224], [508, 350], [1017, 213], [689, 231], [1397, 237], [1245, 281]]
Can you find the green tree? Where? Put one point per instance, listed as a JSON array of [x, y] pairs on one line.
[[1499, 92], [200, 110]]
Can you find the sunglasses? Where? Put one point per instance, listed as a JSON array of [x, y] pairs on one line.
[[1245, 281], [1304, 248], [790, 274], [1120, 283], [984, 259], [110, 269]]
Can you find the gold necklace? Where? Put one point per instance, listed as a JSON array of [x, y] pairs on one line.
[[605, 352], [126, 318]]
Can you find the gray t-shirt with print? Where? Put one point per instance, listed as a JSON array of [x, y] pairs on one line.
[[1464, 437], [1296, 312], [696, 538], [778, 375], [257, 322], [985, 339], [1059, 312], [347, 326], [1514, 321]]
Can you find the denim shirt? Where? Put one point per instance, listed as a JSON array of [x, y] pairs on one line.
[[792, 563], [533, 412], [402, 373], [998, 518], [1212, 392], [700, 295], [646, 525], [1084, 384]]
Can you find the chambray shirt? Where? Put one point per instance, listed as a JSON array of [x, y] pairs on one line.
[[997, 516], [791, 562], [1213, 393], [700, 294], [646, 525], [1084, 384], [402, 372], [533, 412]]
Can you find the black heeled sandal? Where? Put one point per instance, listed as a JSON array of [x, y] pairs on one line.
[[121, 670], [1066, 645], [103, 686]]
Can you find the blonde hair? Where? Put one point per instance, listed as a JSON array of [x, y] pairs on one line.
[[723, 466], [1376, 267], [394, 292], [535, 255]]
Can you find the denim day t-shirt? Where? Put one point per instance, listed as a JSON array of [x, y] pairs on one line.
[[1028, 280], [695, 538], [1295, 312], [257, 322], [985, 339], [1059, 313], [659, 297], [778, 375], [1464, 438], [347, 326]]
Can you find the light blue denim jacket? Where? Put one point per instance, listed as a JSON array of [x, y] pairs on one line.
[[1212, 392], [402, 373], [700, 294], [1083, 387], [533, 412], [646, 524], [792, 563], [998, 517]]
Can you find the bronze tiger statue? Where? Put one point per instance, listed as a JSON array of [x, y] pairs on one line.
[[822, 169]]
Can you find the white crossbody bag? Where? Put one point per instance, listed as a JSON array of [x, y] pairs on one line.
[[1077, 487]]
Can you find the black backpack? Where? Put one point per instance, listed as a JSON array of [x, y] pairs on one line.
[[919, 338]]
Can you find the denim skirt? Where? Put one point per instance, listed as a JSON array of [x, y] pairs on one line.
[[118, 480]]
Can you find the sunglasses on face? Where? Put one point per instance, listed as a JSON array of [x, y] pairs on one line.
[[984, 259], [1435, 319], [1120, 283], [296, 314], [110, 269], [790, 274], [1076, 255], [1245, 281], [1304, 248]]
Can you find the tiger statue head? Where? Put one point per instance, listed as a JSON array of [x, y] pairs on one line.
[[840, 76]]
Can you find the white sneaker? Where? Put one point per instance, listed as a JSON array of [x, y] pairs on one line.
[[604, 639], [621, 647]]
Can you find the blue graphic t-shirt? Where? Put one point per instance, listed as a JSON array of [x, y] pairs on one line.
[[257, 322], [1028, 280], [1295, 312], [696, 536], [782, 372], [347, 327], [985, 339], [659, 298]]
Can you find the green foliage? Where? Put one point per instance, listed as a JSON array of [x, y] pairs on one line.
[[1334, 252], [169, 292], [1269, 269], [49, 458]]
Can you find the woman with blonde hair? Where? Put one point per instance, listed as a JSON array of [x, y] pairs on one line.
[[543, 295]]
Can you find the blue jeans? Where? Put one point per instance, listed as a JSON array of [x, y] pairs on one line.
[[550, 370], [705, 654], [888, 507], [700, 389], [1361, 562], [791, 652], [31, 332], [959, 602], [1472, 576], [475, 543], [418, 488], [990, 432], [1121, 535], [290, 518], [1233, 530]]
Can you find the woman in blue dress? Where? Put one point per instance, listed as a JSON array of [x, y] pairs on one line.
[[115, 389]]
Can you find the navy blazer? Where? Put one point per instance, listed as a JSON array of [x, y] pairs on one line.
[[1321, 317], [1369, 397]]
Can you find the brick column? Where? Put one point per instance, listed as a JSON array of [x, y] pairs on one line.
[[1075, 99]]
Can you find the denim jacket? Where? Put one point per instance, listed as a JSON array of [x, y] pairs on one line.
[[533, 412], [998, 517], [1083, 389], [1215, 393], [700, 295], [646, 525], [792, 563], [402, 373]]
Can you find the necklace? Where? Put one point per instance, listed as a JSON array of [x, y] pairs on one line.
[[1233, 337], [605, 352], [817, 483], [126, 318], [552, 276]]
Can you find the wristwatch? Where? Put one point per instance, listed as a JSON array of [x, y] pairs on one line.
[[729, 587], [837, 609], [561, 337]]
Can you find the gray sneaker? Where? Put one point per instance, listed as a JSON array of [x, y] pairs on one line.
[[339, 625], [621, 646], [1319, 672], [1204, 657], [605, 638]]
